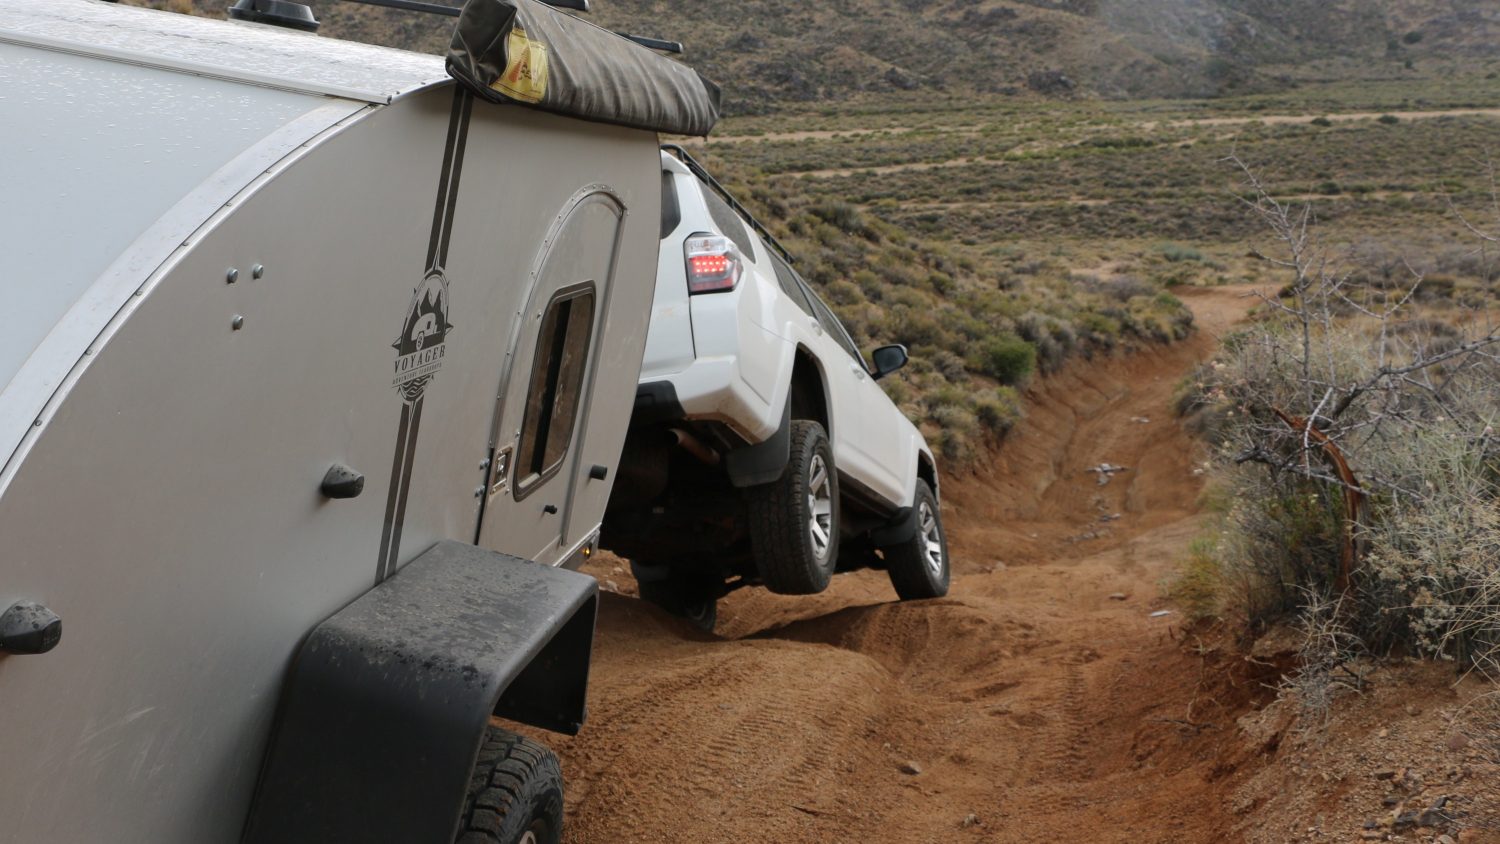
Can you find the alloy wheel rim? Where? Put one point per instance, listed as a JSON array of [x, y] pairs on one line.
[[932, 540], [819, 507]]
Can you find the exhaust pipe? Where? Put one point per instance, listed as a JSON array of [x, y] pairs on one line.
[[694, 446]]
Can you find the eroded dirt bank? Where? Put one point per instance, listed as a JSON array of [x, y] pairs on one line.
[[1041, 701]]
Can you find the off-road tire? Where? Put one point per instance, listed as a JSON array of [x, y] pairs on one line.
[[780, 514], [516, 788], [693, 601], [910, 564]]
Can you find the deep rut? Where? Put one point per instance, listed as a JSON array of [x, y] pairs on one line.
[[1039, 701]]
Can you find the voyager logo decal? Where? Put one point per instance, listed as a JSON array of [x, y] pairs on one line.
[[419, 351], [424, 337]]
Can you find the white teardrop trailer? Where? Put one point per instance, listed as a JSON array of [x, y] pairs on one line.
[[314, 371]]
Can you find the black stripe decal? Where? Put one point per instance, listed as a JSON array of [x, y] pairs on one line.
[[458, 166], [411, 452], [411, 387], [394, 494]]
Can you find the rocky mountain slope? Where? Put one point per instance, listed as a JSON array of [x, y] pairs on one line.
[[773, 52]]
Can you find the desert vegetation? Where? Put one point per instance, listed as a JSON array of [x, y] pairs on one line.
[[971, 234], [1357, 465]]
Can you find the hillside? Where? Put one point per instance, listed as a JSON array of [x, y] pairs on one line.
[[773, 53]]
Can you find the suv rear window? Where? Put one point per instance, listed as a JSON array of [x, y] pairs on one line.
[[834, 328], [671, 212], [729, 223], [790, 282]]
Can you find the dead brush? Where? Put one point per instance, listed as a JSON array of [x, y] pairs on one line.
[[1374, 516]]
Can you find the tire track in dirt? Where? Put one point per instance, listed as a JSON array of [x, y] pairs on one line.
[[1031, 704]]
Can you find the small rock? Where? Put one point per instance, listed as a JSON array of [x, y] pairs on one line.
[[1413, 710], [1140, 420], [1435, 815], [610, 586], [909, 768], [1118, 596], [1383, 733], [1444, 839], [1160, 613], [970, 820], [1372, 835], [1457, 741], [1385, 774]]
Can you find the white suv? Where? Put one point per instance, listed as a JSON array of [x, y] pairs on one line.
[[761, 450]]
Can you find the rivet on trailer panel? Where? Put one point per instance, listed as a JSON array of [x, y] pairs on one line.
[[237, 323], [258, 270], [231, 276]]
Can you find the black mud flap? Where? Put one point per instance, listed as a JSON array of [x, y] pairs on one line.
[[763, 462], [387, 701]]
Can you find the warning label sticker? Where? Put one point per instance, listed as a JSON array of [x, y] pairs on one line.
[[525, 76]]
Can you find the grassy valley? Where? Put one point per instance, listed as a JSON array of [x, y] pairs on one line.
[[1001, 237]]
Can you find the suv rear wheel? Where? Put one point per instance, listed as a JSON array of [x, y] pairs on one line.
[[794, 520], [919, 566], [695, 599]]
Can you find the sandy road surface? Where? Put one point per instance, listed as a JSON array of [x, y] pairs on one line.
[[1032, 705]]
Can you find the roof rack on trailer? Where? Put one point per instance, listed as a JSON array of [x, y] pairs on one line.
[[703, 174]]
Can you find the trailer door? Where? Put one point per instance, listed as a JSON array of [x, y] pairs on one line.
[[540, 463]]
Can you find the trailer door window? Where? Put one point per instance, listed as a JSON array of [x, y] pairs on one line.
[[562, 354]]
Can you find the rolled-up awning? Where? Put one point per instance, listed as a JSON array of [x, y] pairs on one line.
[[526, 52]]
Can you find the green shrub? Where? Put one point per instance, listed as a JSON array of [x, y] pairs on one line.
[[1009, 359], [1196, 585], [1175, 253], [841, 292], [1000, 413]]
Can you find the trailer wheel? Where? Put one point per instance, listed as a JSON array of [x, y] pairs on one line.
[[696, 600], [515, 793], [794, 520], [919, 566]]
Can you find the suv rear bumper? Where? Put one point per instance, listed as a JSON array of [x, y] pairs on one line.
[[713, 389], [656, 401]]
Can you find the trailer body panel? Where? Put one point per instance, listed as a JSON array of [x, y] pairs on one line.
[[166, 502]]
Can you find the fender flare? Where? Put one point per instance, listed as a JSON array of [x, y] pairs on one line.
[[387, 701]]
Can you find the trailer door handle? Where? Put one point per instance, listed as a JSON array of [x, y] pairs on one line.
[[29, 628]]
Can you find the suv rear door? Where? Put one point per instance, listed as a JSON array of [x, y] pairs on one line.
[[868, 420]]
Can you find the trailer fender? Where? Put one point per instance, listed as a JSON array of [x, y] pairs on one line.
[[386, 702]]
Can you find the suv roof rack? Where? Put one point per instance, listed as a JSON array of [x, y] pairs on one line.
[[703, 175]]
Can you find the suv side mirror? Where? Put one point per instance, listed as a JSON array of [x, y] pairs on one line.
[[888, 359]]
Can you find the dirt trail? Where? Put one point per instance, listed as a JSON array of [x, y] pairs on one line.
[[1031, 705]]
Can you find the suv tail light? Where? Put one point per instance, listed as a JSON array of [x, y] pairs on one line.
[[713, 263]]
